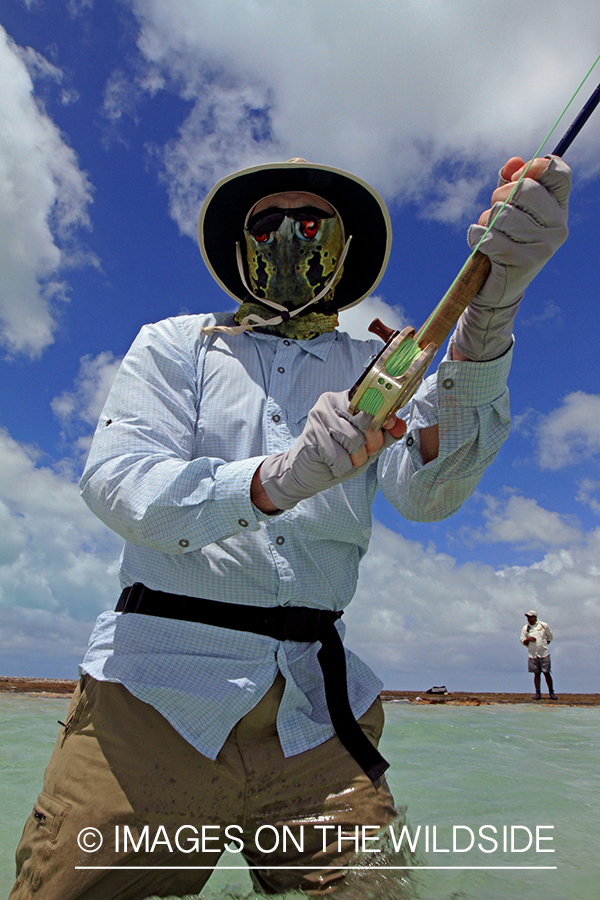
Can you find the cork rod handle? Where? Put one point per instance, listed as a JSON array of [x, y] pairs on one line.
[[467, 285]]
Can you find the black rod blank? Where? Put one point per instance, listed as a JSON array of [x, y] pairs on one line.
[[578, 124]]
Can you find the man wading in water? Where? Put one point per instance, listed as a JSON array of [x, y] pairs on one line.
[[227, 459]]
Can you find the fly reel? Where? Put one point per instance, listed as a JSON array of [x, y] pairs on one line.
[[393, 376]]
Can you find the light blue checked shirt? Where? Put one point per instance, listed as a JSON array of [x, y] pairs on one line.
[[188, 421]]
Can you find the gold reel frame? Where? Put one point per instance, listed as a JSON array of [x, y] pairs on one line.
[[395, 390]]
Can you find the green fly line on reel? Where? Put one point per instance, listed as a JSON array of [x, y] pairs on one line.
[[392, 378]]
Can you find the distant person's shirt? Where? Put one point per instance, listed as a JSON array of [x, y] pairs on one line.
[[187, 423], [542, 634]]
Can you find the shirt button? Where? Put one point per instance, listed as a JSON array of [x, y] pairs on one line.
[[280, 540], [448, 383], [281, 370], [184, 542], [243, 523], [276, 418], [287, 343], [410, 441]]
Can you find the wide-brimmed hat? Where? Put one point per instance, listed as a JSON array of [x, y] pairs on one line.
[[363, 212]]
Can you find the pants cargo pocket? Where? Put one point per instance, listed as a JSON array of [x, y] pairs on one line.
[[39, 841]]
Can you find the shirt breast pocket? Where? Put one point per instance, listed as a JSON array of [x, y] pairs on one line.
[[297, 415]]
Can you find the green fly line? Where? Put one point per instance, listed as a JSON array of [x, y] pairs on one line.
[[401, 358]]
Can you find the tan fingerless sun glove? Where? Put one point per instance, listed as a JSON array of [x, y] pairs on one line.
[[530, 228]]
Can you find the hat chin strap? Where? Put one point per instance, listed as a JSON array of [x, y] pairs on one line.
[[255, 321]]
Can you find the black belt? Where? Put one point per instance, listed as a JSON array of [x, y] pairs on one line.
[[283, 623]]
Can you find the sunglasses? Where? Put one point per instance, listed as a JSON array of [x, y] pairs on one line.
[[269, 220]]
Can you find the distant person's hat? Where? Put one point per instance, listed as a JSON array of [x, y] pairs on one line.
[[531, 612], [363, 213]]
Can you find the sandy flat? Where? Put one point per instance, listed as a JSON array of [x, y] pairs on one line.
[[468, 698], [57, 687]]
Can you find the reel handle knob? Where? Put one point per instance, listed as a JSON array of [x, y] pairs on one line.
[[377, 327]]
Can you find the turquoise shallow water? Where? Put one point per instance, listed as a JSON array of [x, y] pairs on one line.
[[504, 767]]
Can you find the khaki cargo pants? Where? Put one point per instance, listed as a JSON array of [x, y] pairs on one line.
[[122, 777]]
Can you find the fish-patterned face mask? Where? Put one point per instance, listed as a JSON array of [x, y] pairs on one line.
[[293, 255]]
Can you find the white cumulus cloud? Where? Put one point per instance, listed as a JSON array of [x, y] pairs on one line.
[[44, 197], [424, 100], [587, 491], [571, 433], [521, 520], [58, 563]]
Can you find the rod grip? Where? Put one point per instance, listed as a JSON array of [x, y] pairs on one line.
[[467, 285]]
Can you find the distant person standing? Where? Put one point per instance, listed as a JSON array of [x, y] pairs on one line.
[[536, 636]]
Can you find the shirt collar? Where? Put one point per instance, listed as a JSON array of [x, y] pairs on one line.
[[319, 346]]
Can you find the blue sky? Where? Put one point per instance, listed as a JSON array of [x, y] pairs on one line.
[[115, 120]]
